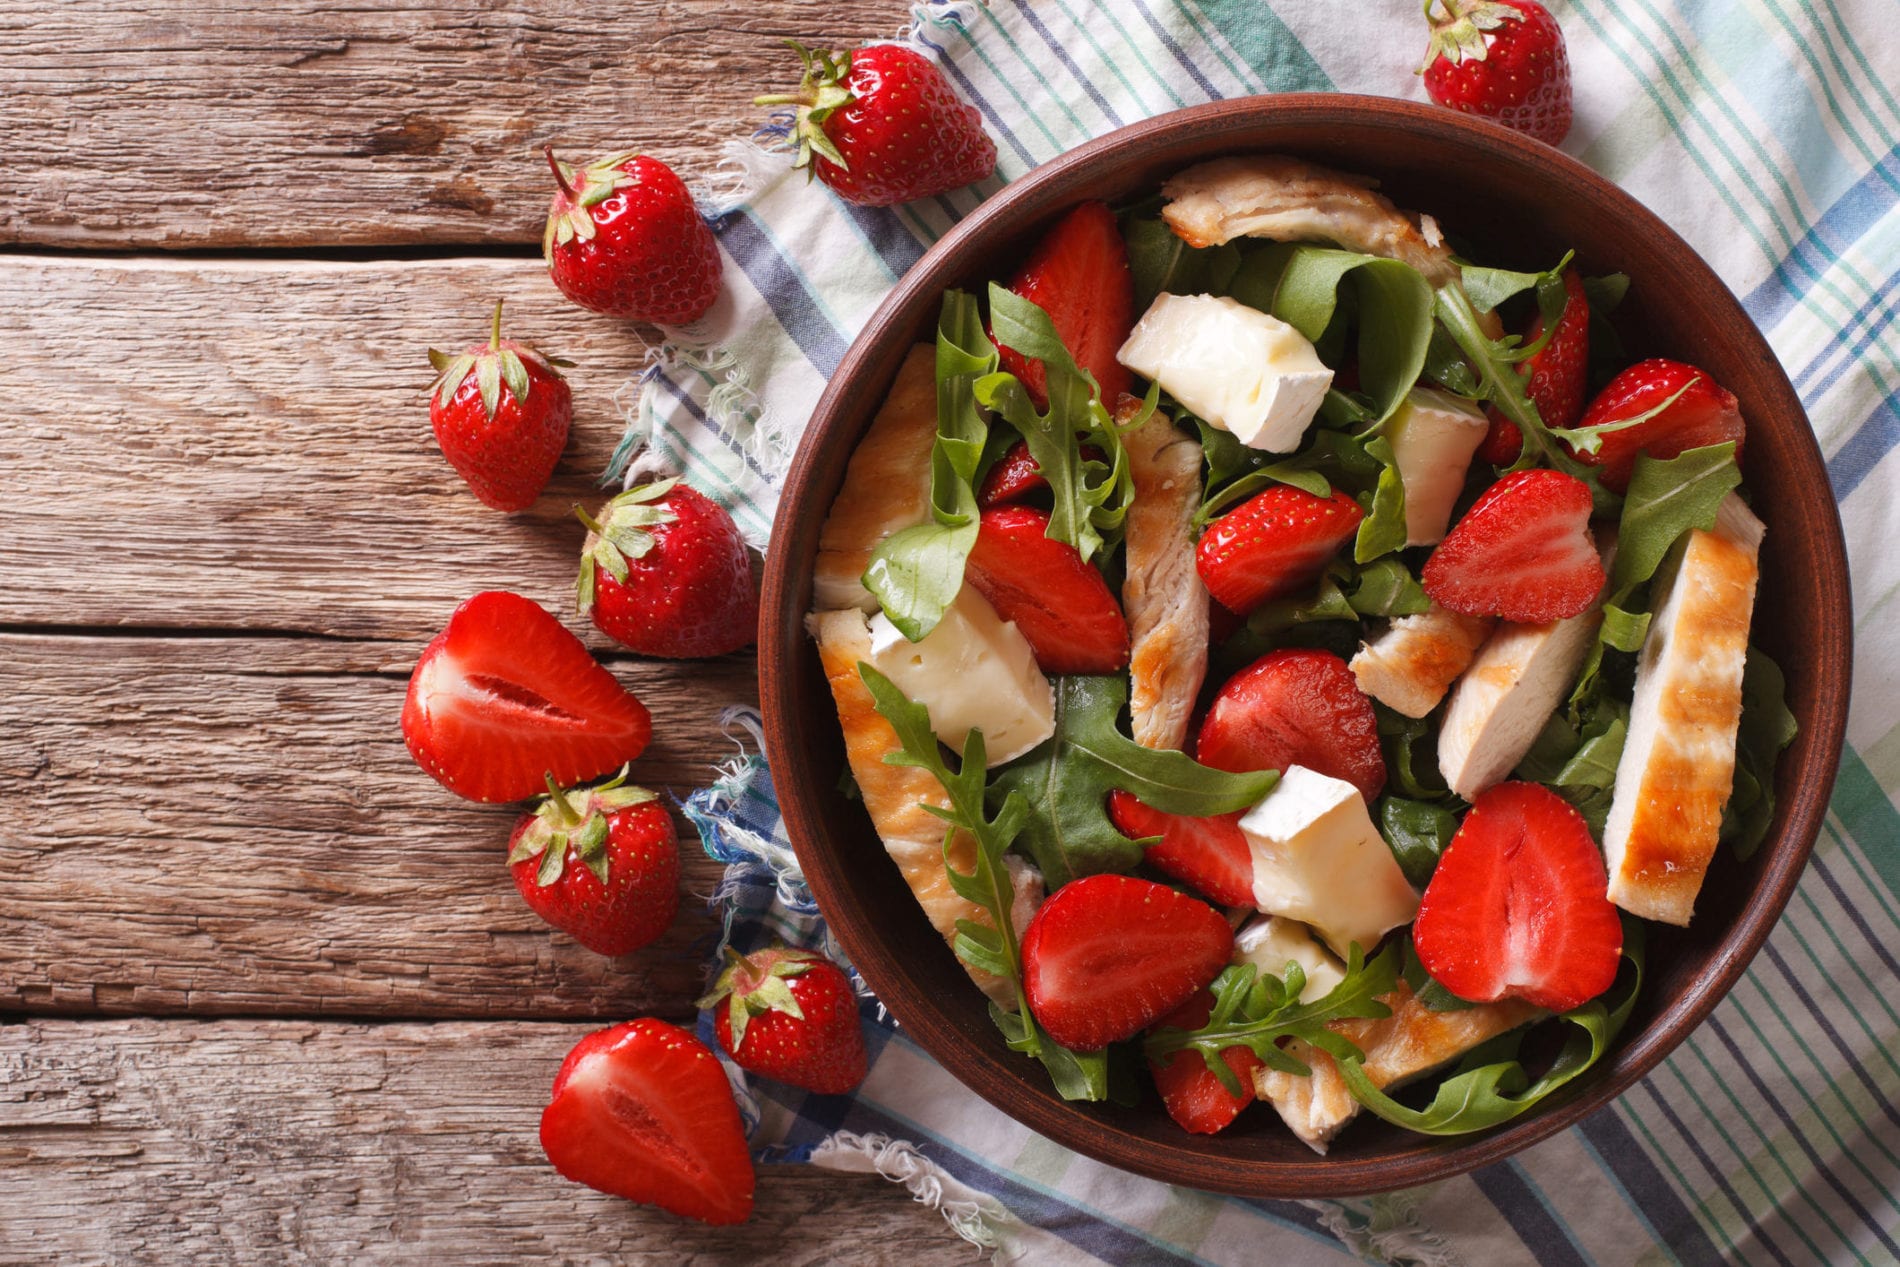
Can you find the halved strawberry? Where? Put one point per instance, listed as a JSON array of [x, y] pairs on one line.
[[1016, 475], [1208, 853], [1705, 413], [643, 1111], [1296, 706], [1273, 544], [1061, 604], [1555, 377], [1516, 908], [1108, 955], [1078, 274], [1194, 1097], [1522, 552], [505, 696]]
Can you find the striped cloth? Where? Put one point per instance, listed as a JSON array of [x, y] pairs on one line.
[[1766, 132]]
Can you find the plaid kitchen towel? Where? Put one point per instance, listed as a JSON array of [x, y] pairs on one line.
[[1768, 133]]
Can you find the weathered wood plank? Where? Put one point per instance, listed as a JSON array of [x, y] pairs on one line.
[[288, 1142], [257, 123], [246, 444], [230, 826]]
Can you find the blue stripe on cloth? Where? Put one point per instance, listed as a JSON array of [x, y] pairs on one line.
[[1692, 1141], [1061, 54], [1671, 1223], [1505, 1186], [1870, 442], [1852, 214], [1819, 866], [784, 289], [885, 232], [1167, 41], [1819, 1015], [699, 415], [1716, 1026]]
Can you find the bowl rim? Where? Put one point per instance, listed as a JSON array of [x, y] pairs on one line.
[[1641, 1052]]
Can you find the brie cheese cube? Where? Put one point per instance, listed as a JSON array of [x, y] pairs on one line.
[[1433, 435], [1410, 666], [1318, 859], [1679, 758], [974, 671], [1243, 371], [1270, 942], [1505, 697]]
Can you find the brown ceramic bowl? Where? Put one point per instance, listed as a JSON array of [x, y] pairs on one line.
[[1525, 203]]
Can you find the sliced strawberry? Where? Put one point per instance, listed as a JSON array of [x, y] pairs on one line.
[[1522, 552], [1108, 955], [1556, 376], [1296, 706], [1705, 413], [1208, 853], [1078, 274], [1273, 544], [505, 695], [643, 1111], [1016, 475], [1516, 908], [1194, 1097], [1061, 604]]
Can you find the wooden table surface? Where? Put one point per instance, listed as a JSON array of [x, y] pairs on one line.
[[268, 992]]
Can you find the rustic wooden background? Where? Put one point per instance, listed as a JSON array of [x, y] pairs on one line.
[[266, 992]]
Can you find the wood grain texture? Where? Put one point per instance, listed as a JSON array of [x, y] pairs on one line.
[[293, 1142], [232, 825], [299, 124], [246, 444]]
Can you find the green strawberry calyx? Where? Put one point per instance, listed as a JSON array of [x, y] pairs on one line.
[[575, 821], [582, 189], [752, 985], [821, 93], [1459, 32], [501, 363], [623, 531]]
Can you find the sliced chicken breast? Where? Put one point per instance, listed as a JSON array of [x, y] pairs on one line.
[[1505, 697], [1163, 597], [886, 485], [1412, 664], [1679, 758]]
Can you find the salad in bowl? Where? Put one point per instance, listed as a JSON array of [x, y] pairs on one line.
[[1288, 658]]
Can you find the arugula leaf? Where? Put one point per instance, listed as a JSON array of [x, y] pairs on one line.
[[1328, 603], [915, 574], [1445, 365], [1623, 630], [1494, 363], [1767, 727], [1416, 832], [1300, 285], [1159, 261], [1490, 1085], [994, 948], [1589, 777], [1257, 1011], [1089, 499], [1590, 439], [1383, 529], [1409, 744], [1427, 989], [1387, 589], [1069, 776], [1666, 498]]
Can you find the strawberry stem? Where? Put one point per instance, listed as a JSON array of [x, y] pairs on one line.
[[558, 800], [560, 177], [593, 525], [494, 329]]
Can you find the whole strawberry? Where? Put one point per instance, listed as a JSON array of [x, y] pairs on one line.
[[1505, 61], [599, 863], [790, 1015], [881, 126], [500, 412], [665, 572], [625, 239]]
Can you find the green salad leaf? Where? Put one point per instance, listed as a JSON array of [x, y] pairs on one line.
[[1666, 498], [1301, 286], [1427, 989], [1490, 1086], [915, 574], [1410, 745], [1159, 261], [1494, 363], [1767, 727], [1417, 833], [996, 948], [1383, 529], [1089, 498], [1388, 589], [1259, 1010], [1069, 776]]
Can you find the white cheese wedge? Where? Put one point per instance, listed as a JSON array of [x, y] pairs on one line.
[[974, 671], [1679, 758], [1433, 436], [1318, 859], [1270, 942], [1503, 700], [1243, 371], [1412, 664]]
